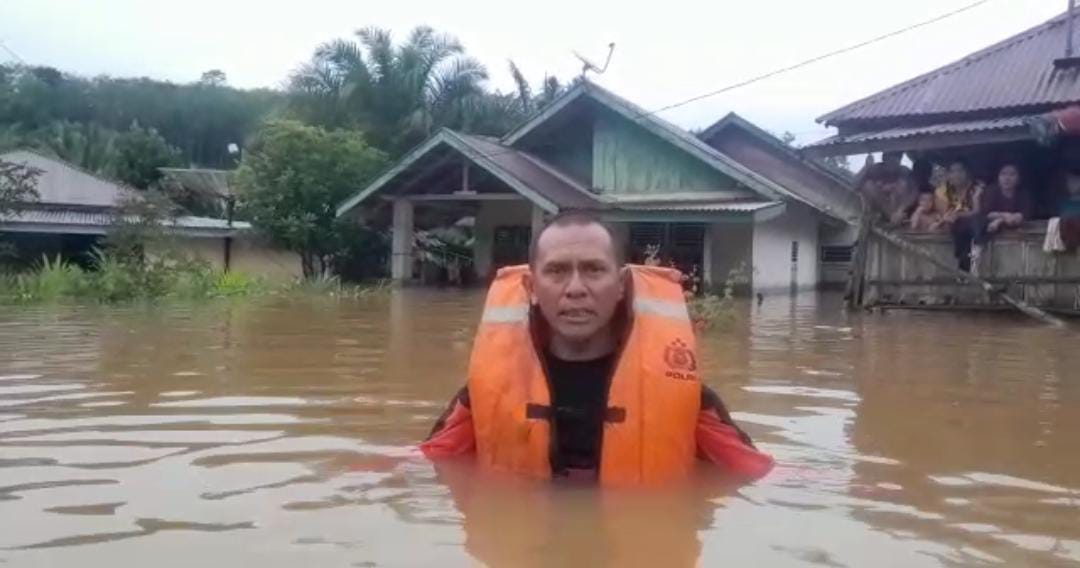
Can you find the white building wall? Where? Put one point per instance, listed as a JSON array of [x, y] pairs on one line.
[[728, 247], [772, 246], [250, 255]]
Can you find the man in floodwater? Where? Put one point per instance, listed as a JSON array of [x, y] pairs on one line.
[[586, 368]]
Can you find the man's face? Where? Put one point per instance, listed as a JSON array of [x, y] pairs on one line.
[[575, 280], [926, 202], [958, 175]]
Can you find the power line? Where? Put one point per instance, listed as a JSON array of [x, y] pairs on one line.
[[801, 64], [823, 56], [12, 53]]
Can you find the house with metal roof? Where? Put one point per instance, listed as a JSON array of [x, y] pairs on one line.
[[708, 211], [1015, 102], [75, 210]]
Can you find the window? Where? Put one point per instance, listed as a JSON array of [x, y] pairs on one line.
[[680, 243], [836, 254]]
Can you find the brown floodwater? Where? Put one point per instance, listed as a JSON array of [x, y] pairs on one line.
[[281, 432]]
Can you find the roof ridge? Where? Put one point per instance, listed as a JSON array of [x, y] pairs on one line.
[[969, 59]]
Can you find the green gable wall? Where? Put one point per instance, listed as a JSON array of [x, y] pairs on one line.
[[627, 158], [569, 148]]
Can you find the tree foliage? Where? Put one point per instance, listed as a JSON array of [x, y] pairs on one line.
[[396, 93], [200, 119], [291, 180], [401, 93], [139, 153], [18, 186]]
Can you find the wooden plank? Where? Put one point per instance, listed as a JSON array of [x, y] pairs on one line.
[[1066, 294], [855, 293], [964, 277], [939, 281], [1038, 266]]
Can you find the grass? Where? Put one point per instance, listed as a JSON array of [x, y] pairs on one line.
[[170, 277]]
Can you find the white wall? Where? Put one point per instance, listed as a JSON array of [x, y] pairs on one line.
[[727, 246], [250, 255], [254, 256], [772, 250]]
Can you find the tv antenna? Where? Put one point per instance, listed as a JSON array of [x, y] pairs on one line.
[[587, 65]]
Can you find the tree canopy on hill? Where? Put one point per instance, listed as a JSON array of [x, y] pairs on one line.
[[79, 118]]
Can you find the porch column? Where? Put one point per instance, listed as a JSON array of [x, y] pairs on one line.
[[707, 257], [483, 241], [402, 240], [621, 237]]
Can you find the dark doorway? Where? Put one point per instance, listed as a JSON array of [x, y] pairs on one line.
[[510, 246]]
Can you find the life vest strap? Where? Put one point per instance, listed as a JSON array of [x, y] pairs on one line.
[[533, 411]]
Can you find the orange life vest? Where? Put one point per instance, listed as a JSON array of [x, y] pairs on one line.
[[653, 398]]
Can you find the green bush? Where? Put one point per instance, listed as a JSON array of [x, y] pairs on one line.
[[51, 281], [170, 276], [717, 310]]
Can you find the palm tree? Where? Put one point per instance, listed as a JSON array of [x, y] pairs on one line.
[[529, 103], [398, 94]]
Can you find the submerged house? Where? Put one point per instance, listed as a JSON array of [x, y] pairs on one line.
[[734, 199], [75, 210], [1016, 101]]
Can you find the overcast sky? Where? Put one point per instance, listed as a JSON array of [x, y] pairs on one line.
[[665, 51]]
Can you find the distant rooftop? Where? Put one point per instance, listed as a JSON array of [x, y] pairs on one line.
[[73, 200], [62, 183]]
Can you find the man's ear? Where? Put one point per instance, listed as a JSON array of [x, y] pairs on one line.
[[527, 281]]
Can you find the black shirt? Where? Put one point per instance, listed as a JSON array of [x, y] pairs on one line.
[[579, 399]]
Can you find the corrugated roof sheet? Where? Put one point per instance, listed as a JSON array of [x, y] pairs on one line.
[[102, 219], [61, 183], [1015, 73], [703, 207], [963, 127], [202, 180]]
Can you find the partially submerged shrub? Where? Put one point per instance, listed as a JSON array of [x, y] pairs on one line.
[[717, 310]]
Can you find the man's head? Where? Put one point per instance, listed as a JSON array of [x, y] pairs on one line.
[[959, 175], [926, 202], [576, 277]]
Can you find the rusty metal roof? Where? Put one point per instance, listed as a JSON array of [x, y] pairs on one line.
[[97, 222], [528, 175], [63, 183], [1014, 74], [543, 178]]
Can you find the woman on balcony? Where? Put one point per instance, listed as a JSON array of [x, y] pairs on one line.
[[1005, 205]]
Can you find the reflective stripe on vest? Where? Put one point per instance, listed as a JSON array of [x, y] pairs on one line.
[[655, 390]]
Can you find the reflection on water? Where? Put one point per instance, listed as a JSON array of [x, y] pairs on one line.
[[279, 433]]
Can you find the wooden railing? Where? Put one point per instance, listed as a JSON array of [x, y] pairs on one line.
[[1015, 261]]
